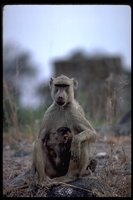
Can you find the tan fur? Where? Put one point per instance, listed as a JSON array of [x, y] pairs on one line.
[[66, 112]]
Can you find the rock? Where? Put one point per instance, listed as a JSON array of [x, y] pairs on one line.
[[17, 181], [101, 155], [123, 128], [21, 153], [81, 187]]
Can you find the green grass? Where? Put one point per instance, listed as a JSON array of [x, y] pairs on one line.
[[29, 120]]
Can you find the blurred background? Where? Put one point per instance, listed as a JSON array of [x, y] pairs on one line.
[[91, 43]]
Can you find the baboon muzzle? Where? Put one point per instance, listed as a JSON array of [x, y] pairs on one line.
[[60, 101]]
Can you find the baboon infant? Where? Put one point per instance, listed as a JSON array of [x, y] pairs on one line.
[[65, 112], [58, 148], [56, 154]]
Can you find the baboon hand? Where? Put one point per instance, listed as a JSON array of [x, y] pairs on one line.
[[75, 149]]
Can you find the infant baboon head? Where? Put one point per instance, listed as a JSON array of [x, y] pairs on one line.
[[62, 89], [58, 145]]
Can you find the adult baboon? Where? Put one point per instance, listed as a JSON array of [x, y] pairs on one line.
[[66, 112]]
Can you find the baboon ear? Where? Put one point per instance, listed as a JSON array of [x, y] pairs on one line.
[[65, 138], [75, 83], [50, 83]]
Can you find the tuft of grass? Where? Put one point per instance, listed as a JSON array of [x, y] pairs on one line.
[[114, 175], [10, 107], [17, 119]]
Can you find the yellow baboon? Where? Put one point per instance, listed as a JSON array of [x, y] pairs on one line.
[[66, 112]]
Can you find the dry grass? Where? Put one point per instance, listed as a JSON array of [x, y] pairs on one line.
[[10, 108], [116, 171], [110, 171], [118, 140]]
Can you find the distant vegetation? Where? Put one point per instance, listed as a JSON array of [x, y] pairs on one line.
[[17, 68], [96, 88]]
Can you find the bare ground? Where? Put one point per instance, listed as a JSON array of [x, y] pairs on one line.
[[113, 156]]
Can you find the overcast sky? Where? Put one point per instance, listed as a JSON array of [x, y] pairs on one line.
[[51, 31], [54, 31]]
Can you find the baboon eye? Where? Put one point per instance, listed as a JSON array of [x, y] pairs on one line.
[[66, 88], [51, 151], [53, 154], [56, 89]]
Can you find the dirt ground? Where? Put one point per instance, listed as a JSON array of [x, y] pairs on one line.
[[113, 156]]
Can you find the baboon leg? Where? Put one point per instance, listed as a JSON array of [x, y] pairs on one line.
[[77, 168], [72, 174], [32, 174], [40, 160]]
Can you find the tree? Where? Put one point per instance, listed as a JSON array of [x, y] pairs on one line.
[[17, 66]]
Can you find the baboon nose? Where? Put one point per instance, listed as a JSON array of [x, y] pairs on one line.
[[60, 98], [57, 161], [60, 101]]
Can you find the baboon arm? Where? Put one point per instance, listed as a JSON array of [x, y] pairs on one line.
[[85, 136], [83, 123], [42, 134]]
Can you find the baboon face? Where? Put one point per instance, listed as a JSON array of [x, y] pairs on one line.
[[58, 145], [62, 89]]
